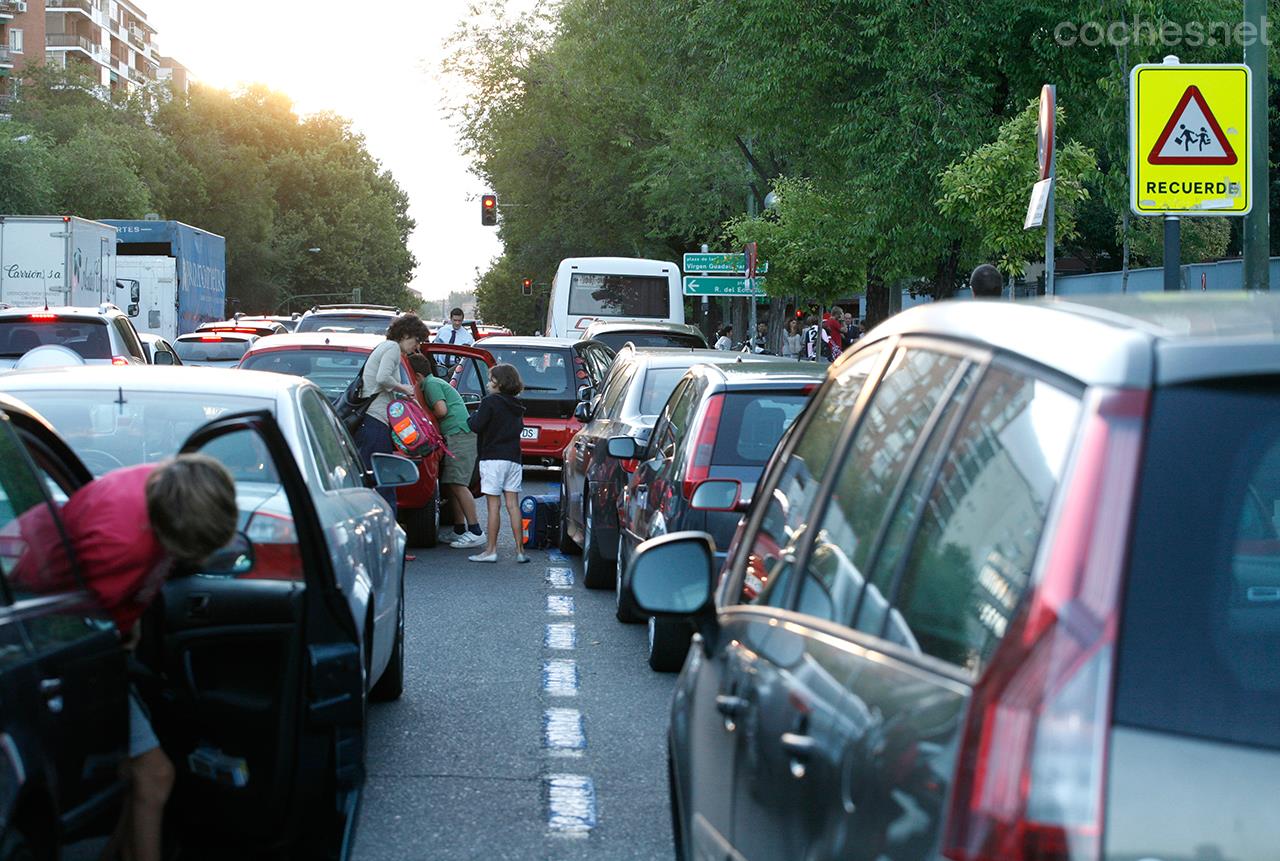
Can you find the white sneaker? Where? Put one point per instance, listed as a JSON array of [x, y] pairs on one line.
[[522, 558], [467, 539], [484, 557]]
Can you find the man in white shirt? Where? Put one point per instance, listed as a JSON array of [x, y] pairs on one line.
[[455, 333]]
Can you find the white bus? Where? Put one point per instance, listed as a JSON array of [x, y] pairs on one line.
[[587, 289]]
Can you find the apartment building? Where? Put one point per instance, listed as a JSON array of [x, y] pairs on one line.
[[17, 38]]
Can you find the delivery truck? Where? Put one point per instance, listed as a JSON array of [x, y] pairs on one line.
[[50, 260], [170, 276]]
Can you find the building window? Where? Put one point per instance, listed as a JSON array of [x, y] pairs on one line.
[[15, 40]]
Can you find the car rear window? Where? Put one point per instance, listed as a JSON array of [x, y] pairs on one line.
[[1201, 624], [659, 383], [89, 338], [367, 324], [751, 424], [211, 348], [616, 340], [599, 295], [547, 374], [331, 370]]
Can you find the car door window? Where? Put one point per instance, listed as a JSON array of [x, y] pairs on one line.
[[129, 338], [35, 557], [682, 409], [886, 438], [970, 560], [789, 493], [326, 446], [614, 388], [663, 437]]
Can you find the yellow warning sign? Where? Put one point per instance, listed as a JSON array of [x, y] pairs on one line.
[[1189, 139]]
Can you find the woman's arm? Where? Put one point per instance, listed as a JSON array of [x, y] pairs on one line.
[[387, 373]]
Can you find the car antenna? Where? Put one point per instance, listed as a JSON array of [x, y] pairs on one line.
[[120, 401]]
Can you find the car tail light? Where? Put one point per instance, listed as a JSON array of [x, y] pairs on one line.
[[210, 337], [276, 555], [119, 360], [1029, 775], [700, 458], [579, 367], [42, 318], [630, 465]]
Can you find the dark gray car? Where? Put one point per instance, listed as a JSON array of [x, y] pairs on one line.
[[1009, 590], [627, 404]]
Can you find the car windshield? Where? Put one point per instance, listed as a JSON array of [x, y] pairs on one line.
[[87, 337], [616, 340], [211, 348], [599, 295], [365, 324], [659, 383], [545, 373], [330, 369], [751, 425], [114, 427]]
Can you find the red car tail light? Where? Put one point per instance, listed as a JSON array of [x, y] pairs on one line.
[[119, 360], [276, 555], [630, 465], [1030, 772], [700, 457], [42, 318]]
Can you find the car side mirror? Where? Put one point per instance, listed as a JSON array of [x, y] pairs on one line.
[[392, 470], [232, 560], [586, 393], [671, 575], [624, 448], [582, 412], [135, 310], [162, 357], [717, 494]]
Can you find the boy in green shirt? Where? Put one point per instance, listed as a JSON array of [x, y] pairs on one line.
[[455, 472]]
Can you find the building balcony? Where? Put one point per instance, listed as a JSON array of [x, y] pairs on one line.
[[69, 6], [6, 58], [9, 8], [74, 42]]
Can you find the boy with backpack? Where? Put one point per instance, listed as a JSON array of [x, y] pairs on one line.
[[498, 423], [455, 467]]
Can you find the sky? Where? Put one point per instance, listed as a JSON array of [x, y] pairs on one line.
[[378, 66]]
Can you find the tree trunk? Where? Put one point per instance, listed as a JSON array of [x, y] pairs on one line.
[[944, 285], [877, 301], [777, 321]]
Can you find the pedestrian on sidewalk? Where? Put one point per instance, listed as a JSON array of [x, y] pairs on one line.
[[455, 468], [793, 341], [813, 341], [725, 339], [986, 282], [498, 423]]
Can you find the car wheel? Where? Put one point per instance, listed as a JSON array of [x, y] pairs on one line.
[[422, 525], [668, 644], [597, 572], [391, 684], [624, 606], [566, 543]]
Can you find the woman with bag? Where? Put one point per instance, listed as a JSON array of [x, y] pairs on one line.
[[381, 379]]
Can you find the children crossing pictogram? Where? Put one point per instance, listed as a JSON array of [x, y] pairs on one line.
[[1192, 135]]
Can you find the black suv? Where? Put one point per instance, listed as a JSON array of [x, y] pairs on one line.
[[1010, 589], [591, 484]]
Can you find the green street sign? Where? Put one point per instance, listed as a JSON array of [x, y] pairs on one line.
[[721, 263], [720, 285]]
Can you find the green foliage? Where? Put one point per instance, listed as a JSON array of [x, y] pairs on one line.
[[987, 192], [1203, 240], [242, 165], [499, 299], [26, 172]]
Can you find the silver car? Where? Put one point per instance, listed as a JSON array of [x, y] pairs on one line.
[[121, 416], [91, 336]]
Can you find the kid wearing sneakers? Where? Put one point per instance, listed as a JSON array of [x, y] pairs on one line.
[[498, 423]]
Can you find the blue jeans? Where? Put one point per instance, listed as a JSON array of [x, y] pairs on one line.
[[373, 437]]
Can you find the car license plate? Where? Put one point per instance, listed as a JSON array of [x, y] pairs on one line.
[[529, 433]]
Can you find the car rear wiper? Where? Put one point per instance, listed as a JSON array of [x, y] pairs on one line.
[[541, 389]]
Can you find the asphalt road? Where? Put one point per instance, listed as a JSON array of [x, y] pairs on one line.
[[531, 726]]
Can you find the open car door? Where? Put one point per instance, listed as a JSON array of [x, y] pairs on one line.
[[464, 368], [261, 701]]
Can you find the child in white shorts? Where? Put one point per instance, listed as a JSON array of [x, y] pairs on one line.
[[498, 423]]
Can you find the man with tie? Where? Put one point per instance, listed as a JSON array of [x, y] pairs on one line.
[[454, 334]]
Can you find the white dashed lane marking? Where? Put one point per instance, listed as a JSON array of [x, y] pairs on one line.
[[560, 578], [560, 678], [562, 731], [571, 804], [560, 605], [561, 636]]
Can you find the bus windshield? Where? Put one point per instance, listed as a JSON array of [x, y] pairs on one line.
[[619, 296]]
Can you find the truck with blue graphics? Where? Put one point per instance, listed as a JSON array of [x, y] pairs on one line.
[[171, 276]]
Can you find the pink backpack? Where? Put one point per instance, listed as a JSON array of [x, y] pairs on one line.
[[412, 431]]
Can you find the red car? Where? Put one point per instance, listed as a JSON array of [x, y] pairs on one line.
[[332, 359], [554, 371]]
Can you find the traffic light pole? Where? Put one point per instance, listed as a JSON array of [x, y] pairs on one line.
[[751, 296], [1257, 226]]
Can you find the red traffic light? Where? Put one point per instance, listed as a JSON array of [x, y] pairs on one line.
[[526, 286], [489, 210], [489, 201]]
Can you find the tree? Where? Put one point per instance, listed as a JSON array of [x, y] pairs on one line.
[[500, 299], [93, 177], [26, 173], [987, 191]]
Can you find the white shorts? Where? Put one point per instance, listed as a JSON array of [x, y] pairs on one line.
[[499, 475]]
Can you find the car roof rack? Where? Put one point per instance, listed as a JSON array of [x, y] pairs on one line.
[[361, 305]]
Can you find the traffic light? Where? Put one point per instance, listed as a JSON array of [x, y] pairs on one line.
[[526, 286], [489, 210]]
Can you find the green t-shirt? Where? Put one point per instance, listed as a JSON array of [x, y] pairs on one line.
[[437, 389]]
